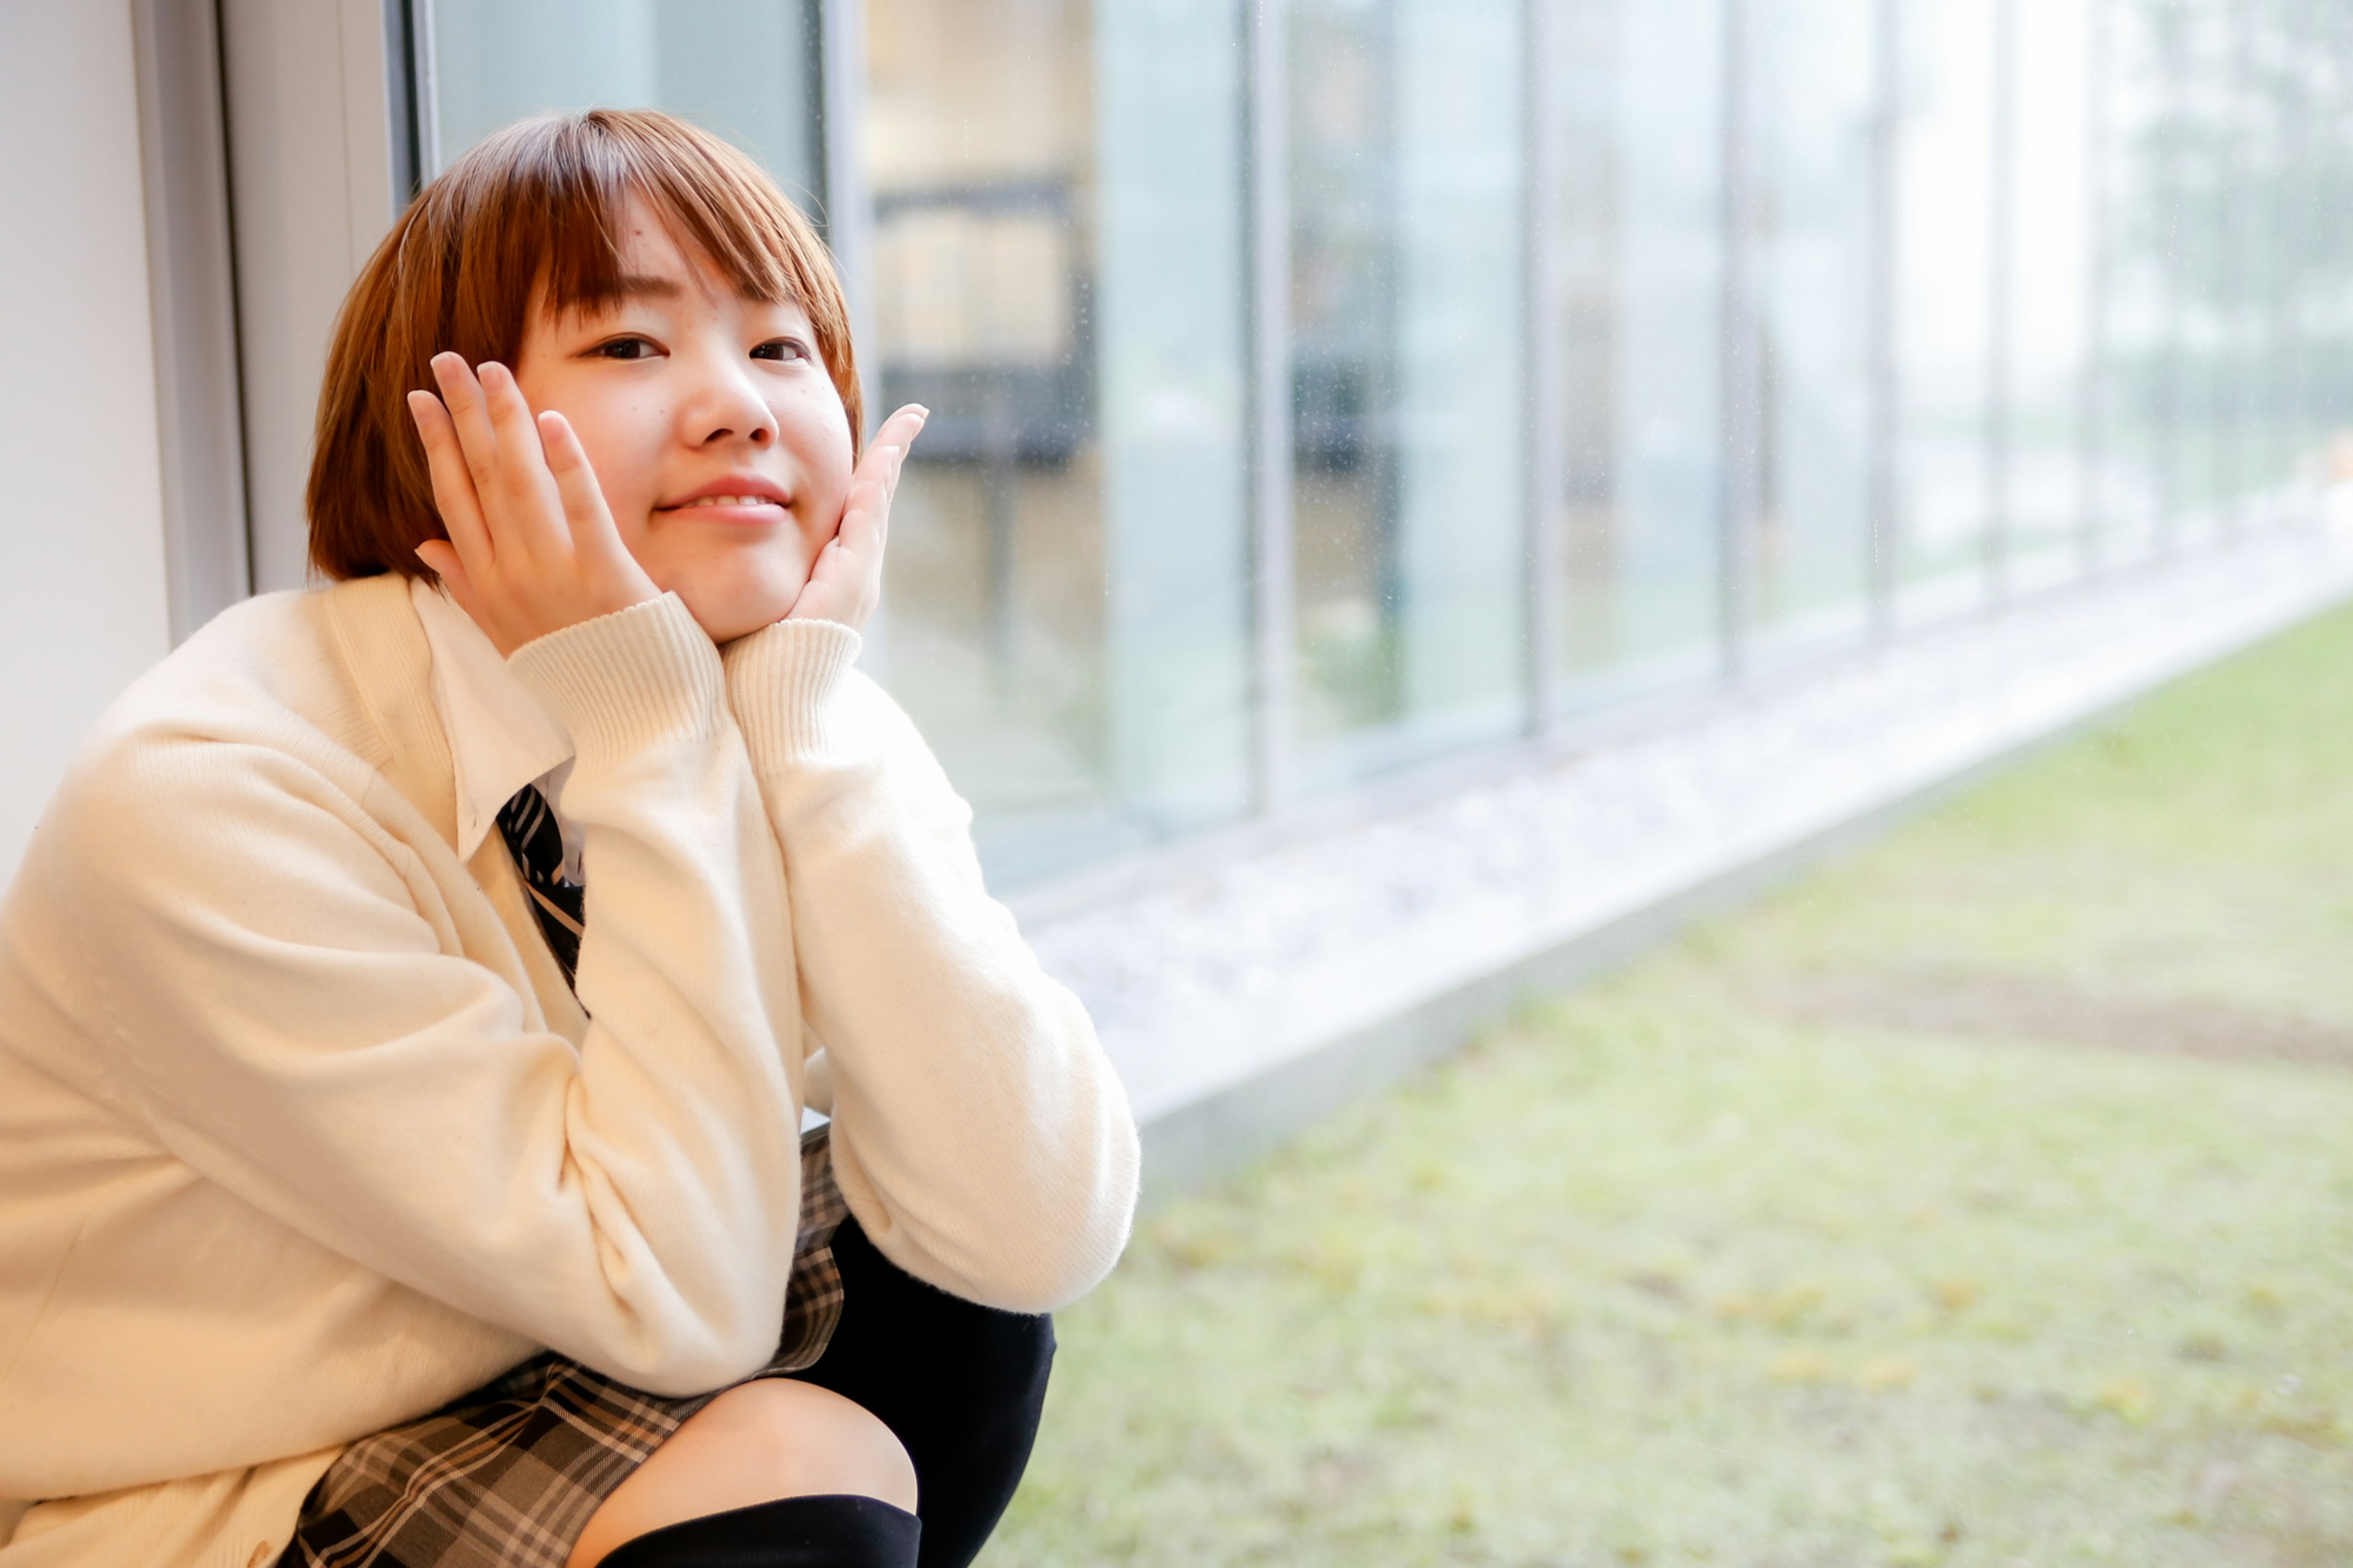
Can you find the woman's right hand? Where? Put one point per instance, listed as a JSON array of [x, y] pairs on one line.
[[532, 547]]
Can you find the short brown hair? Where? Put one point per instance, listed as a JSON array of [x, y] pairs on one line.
[[539, 204]]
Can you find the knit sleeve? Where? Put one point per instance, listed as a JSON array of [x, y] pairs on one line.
[[980, 1135], [287, 997]]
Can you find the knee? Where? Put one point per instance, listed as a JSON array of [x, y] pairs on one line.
[[756, 1443], [809, 1440]]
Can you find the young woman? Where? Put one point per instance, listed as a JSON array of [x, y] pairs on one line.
[[409, 1005]]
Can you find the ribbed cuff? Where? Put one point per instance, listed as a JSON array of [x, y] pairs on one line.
[[781, 680], [625, 681]]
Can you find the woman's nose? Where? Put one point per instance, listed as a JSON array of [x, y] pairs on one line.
[[729, 407]]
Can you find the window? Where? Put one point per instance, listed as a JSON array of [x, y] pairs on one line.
[[1407, 332], [1636, 275], [1322, 387], [1058, 276]]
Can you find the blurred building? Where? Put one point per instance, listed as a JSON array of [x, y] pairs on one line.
[[1329, 394]]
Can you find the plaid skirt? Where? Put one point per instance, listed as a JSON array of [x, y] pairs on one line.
[[510, 1473]]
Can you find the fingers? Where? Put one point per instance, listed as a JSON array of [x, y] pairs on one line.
[[469, 417], [453, 485], [575, 483], [533, 547], [900, 429], [498, 442], [877, 480], [845, 580], [888, 453], [615, 574], [535, 517]]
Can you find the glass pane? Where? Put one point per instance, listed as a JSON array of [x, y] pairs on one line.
[[2305, 65], [1815, 94], [2137, 473], [2263, 67], [1405, 320], [746, 69], [1944, 211], [1057, 272], [2197, 54], [1637, 278], [2051, 267]]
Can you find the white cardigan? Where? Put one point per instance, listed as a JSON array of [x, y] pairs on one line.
[[301, 1133]]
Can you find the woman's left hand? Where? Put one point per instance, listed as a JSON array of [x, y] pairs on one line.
[[846, 584]]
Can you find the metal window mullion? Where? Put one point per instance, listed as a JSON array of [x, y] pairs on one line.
[[2091, 375], [1739, 356], [848, 197], [1884, 388], [2170, 358], [2093, 371], [2001, 262], [846, 216], [1542, 434], [2278, 347], [2295, 240], [424, 90], [2231, 378], [1266, 178]]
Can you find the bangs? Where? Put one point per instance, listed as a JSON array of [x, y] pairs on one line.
[[707, 196]]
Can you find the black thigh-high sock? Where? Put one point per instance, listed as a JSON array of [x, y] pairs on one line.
[[962, 1385], [842, 1531]]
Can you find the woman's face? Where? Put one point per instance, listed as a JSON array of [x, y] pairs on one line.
[[716, 434]]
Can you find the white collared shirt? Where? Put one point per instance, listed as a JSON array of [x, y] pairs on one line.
[[500, 738]]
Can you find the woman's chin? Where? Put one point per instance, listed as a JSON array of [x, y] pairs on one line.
[[724, 616], [736, 604], [726, 623]]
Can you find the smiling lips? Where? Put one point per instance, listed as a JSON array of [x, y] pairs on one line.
[[743, 499], [724, 500]]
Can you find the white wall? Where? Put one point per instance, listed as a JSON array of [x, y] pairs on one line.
[[82, 605]]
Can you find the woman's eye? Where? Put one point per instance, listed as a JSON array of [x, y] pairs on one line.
[[623, 348], [781, 349]]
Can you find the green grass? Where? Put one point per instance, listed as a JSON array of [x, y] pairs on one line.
[[1984, 1199]]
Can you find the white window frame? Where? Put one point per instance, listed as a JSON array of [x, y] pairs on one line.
[[316, 174]]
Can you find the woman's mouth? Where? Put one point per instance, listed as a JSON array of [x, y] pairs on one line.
[[724, 500], [730, 509]]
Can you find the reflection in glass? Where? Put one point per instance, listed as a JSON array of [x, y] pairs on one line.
[[1057, 275], [2138, 474], [2048, 328], [2260, 316], [1943, 214], [2230, 152], [2196, 141], [1406, 338], [2302, 71], [1637, 253], [1815, 99], [1058, 196]]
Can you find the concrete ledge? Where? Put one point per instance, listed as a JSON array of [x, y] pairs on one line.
[[1195, 1144], [1242, 997]]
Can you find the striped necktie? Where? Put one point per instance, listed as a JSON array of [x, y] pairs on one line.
[[537, 844]]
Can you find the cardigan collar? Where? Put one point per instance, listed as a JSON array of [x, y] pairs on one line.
[[501, 737], [384, 646], [391, 666]]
